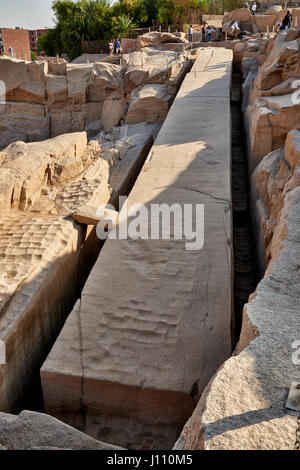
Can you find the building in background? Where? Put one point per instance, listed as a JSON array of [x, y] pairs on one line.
[[18, 40], [34, 37]]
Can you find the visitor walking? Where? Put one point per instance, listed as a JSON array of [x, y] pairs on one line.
[[118, 46], [11, 52], [203, 30], [111, 47], [236, 29], [253, 8], [287, 20], [190, 33]]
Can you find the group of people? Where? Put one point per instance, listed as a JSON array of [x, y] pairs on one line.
[[115, 47], [283, 23], [207, 33]]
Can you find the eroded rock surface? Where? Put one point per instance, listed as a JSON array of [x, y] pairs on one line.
[[142, 353], [243, 407], [36, 431], [48, 98], [44, 254]]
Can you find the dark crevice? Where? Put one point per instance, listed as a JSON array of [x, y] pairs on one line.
[[245, 271]]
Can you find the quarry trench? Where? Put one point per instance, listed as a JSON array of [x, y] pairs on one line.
[[161, 428], [245, 279]]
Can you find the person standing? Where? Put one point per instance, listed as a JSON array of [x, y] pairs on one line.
[[190, 33], [203, 30], [287, 20], [111, 47], [118, 46], [236, 29], [209, 33], [253, 8], [11, 52]]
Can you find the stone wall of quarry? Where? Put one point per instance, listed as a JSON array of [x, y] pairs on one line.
[[243, 407], [259, 23], [48, 186], [48, 98], [153, 324]]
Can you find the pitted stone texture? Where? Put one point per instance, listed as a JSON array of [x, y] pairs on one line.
[[28, 168], [79, 193], [36, 431], [243, 407], [142, 353], [27, 244]]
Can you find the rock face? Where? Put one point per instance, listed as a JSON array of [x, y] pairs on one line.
[[243, 406], [46, 99], [258, 23], [273, 108], [156, 39], [142, 353], [44, 254], [150, 103], [37, 431]]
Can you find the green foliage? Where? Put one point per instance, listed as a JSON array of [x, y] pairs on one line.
[[87, 20], [51, 43], [122, 27], [33, 55]]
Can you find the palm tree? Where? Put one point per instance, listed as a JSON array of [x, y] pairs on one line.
[[123, 27]]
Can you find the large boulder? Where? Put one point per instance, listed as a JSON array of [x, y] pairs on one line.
[[239, 15], [149, 103], [27, 168], [273, 9], [25, 81], [155, 39], [37, 431], [104, 79]]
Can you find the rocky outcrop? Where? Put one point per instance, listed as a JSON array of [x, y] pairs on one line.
[[49, 98], [273, 108], [150, 103], [156, 39], [44, 254], [259, 23], [36, 431], [243, 406]]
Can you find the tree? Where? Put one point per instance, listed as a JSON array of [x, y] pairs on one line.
[[51, 43], [78, 21], [122, 27]]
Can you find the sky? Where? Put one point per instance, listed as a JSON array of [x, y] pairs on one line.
[[28, 14]]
